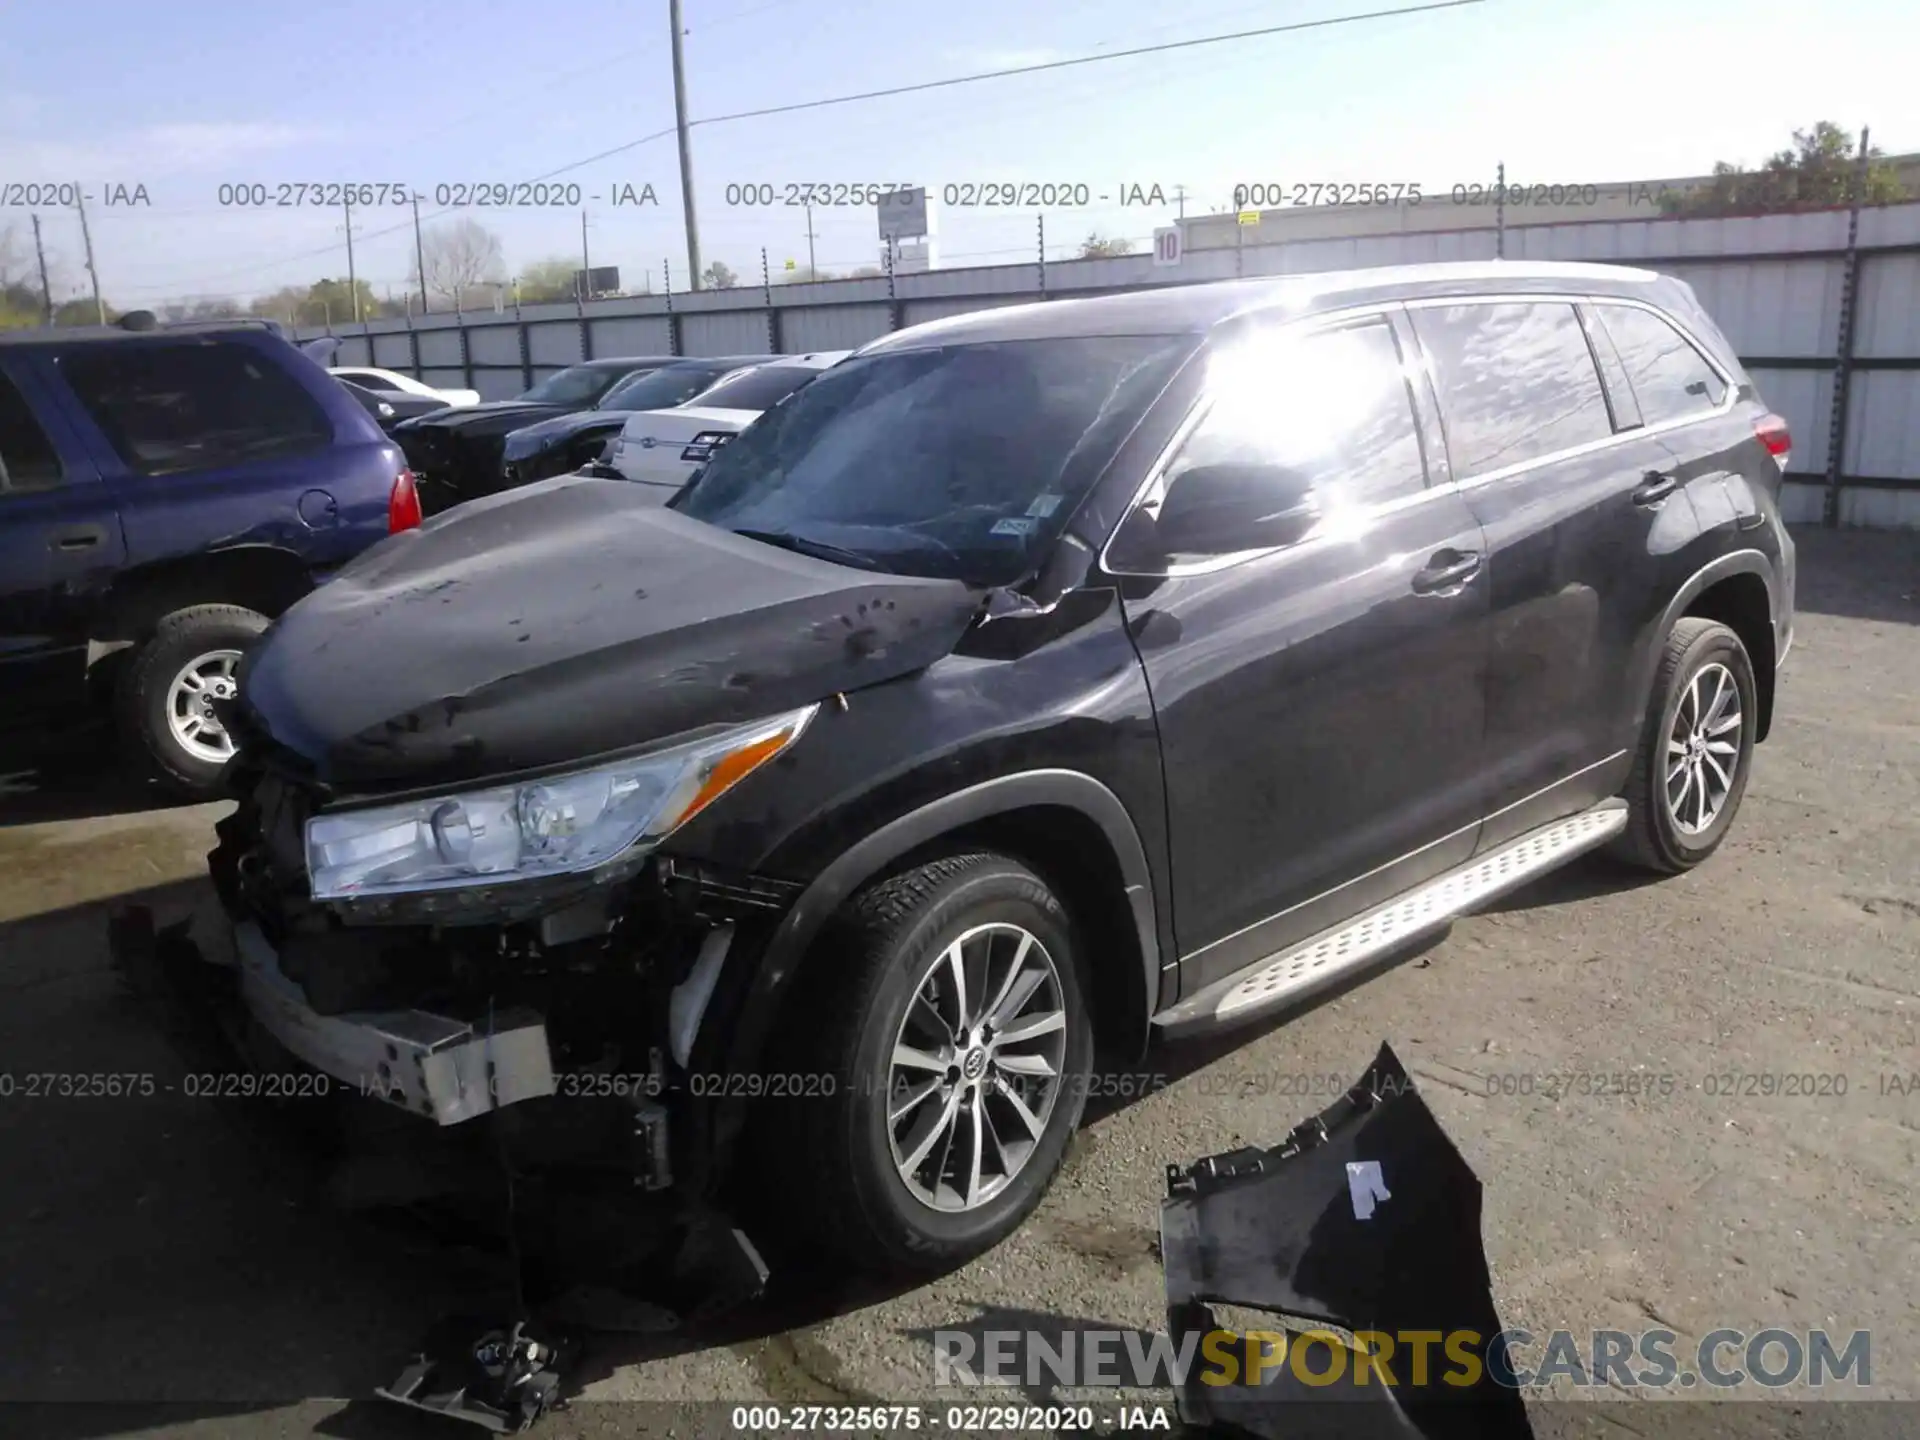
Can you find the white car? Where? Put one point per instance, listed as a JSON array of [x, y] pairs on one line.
[[661, 448], [368, 378]]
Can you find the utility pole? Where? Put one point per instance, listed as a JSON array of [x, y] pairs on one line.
[[353, 279], [686, 149], [419, 254], [586, 264], [1180, 195], [46, 289], [813, 270], [86, 235]]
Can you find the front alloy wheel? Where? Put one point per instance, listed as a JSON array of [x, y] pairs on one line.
[[976, 1067], [944, 1005]]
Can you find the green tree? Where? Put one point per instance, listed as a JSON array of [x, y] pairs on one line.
[[80, 311], [1816, 172], [1094, 247], [801, 274], [867, 272], [331, 301], [547, 280], [719, 276]]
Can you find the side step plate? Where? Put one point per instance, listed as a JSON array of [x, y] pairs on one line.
[[1270, 983]]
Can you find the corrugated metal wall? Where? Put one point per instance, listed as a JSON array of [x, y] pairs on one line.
[[1775, 284]]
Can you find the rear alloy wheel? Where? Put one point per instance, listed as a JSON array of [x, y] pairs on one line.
[[169, 693], [1696, 748], [951, 1021]]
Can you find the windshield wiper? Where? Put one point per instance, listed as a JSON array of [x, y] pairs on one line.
[[818, 549]]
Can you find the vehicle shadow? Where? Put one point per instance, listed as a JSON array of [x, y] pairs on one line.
[[74, 783]]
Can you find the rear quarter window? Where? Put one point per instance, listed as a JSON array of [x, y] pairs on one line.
[[27, 457], [1670, 378], [178, 409]]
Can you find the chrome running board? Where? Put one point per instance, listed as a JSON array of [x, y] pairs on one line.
[[1270, 983]]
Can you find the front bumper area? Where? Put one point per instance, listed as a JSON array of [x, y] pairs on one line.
[[432, 1065]]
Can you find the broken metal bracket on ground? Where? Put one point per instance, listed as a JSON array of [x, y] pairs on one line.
[[1364, 1220]]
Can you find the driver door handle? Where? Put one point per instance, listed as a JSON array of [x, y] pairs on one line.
[[78, 537], [1446, 571]]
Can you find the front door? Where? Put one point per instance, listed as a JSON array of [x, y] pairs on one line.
[[1320, 705], [60, 546]]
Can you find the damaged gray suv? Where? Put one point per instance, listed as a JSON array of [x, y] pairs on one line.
[[1031, 682]]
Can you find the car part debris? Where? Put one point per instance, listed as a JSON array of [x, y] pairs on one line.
[[1364, 1220], [500, 1377]]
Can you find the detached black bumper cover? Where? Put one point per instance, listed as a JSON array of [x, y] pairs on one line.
[[1364, 1219]]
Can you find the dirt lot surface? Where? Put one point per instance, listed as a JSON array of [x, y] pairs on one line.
[[150, 1250]]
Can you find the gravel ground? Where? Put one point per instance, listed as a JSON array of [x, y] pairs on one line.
[[151, 1250]]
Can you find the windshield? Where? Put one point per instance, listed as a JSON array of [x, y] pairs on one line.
[[760, 388], [961, 461], [580, 385], [661, 389]]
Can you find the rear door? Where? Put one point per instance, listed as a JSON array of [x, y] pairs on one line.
[[209, 443], [1588, 532], [60, 546], [1320, 706]]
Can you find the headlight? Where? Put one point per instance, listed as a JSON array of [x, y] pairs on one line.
[[559, 825]]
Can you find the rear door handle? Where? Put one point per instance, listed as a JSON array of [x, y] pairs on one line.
[[1655, 488], [1446, 571], [80, 537]]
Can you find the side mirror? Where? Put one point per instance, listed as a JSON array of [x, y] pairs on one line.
[[1221, 509]]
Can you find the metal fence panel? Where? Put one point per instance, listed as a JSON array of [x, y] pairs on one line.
[[554, 342], [494, 344], [497, 384], [724, 332], [1883, 426], [630, 335], [842, 327], [440, 348], [1889, 324], [919, 312], [448, 380], [394, 352]]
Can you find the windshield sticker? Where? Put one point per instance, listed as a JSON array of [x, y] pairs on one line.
[[1015, 525], [1044, 506]]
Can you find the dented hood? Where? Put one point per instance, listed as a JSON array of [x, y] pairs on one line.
[[566, 620]]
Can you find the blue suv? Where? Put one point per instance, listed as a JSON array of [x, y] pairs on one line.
[[164, 493]]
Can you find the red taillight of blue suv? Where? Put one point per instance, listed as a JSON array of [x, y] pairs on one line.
[[403, 504]]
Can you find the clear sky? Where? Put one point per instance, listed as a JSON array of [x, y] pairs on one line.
[[182, 97]]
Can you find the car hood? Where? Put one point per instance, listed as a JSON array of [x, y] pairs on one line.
[[569, 619], [557, 430], [496, 417]]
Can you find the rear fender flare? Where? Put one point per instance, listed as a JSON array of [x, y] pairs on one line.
[[1740, 562]]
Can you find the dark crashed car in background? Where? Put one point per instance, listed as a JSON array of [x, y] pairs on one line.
[[1033, 681], [455, 452], [567, 442]]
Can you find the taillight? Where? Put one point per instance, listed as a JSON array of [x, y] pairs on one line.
[[702, 446], [403, 504], [1772, 432]]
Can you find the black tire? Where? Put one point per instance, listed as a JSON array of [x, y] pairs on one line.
[[875, 955], [1654, 839], [142, 696]]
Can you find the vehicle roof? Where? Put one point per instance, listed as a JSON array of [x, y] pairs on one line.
[[1196, 309], [101, 334]]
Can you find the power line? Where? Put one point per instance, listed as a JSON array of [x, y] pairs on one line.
[[917, 88], [1035, 69]]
